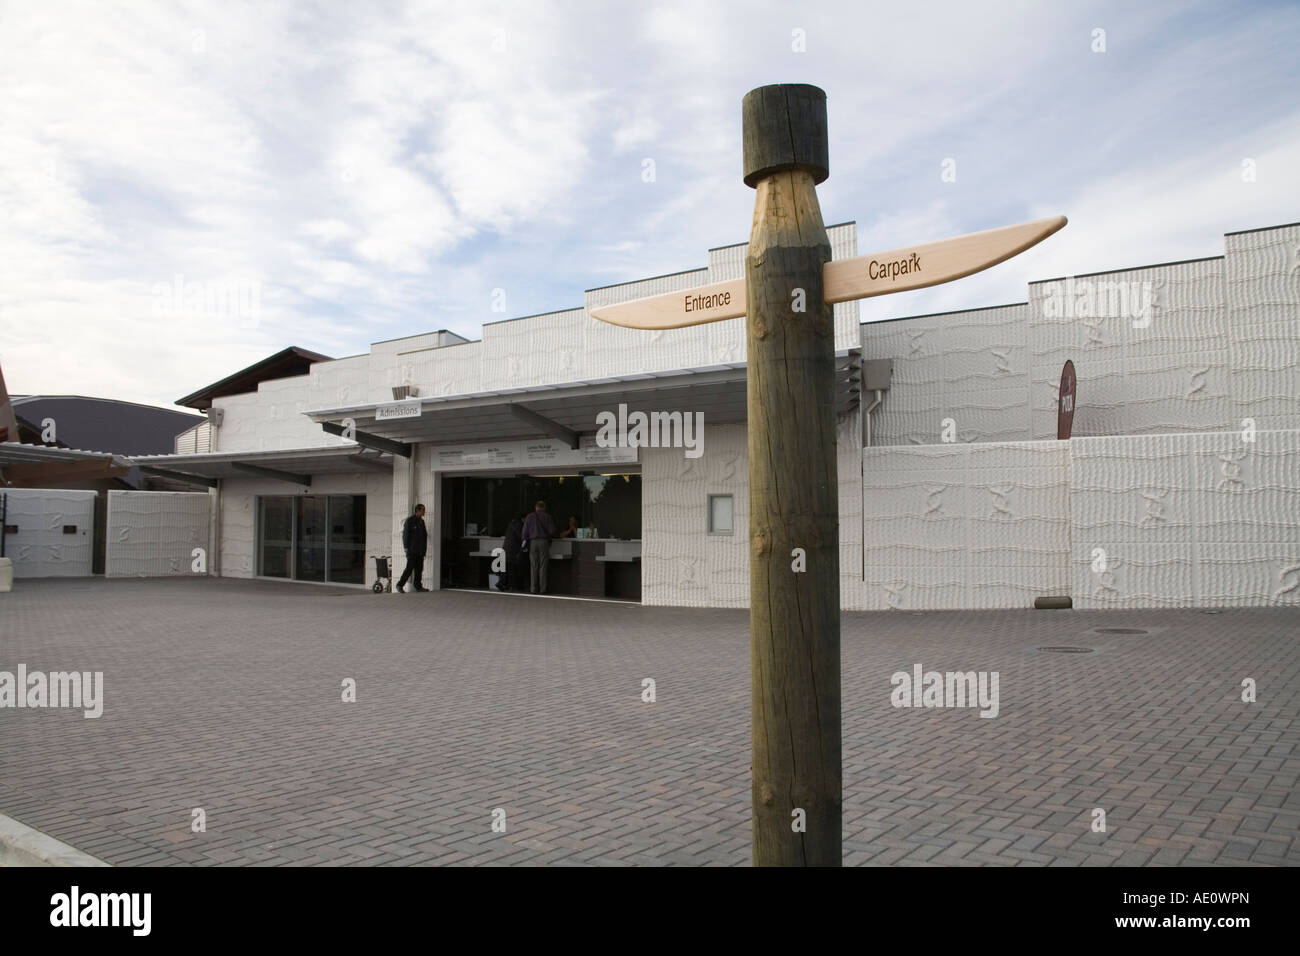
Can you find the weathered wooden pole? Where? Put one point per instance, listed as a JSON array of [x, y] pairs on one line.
[[786, 297], [793, 498]]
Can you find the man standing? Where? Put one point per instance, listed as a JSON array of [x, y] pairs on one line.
[[415, 539], [513, 545], [539, 529]]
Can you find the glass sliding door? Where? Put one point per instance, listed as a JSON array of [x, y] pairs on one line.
[[312, 530], [275, 533], [347, 539], [312, 538]]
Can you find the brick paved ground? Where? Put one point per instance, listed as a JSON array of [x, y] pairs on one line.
[[225, 695]]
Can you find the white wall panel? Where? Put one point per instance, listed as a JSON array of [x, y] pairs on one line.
[[40, 549], [681, 564], [971, 367], [618, 351], [154, 533], [1201, 520], [1220, 343], [344, 382], [535, 351], [965, 525], [1262, 285], [450, 370], [270, 419]]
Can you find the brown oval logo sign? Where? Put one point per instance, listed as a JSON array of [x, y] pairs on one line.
[[1065, 408]]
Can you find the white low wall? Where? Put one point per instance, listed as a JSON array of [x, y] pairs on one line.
[[154, 533], [1185, 520], [981, 525], [40, 549], [1193, 520]]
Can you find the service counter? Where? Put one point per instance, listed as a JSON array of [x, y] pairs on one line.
[[580, 567]]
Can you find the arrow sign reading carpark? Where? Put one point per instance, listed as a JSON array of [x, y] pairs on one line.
[[881, 273]]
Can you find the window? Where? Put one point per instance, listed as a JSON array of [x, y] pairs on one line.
[[720, 514]]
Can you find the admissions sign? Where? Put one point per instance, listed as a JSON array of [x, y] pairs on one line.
[[409, 408]]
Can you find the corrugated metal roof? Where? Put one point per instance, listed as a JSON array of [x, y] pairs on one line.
[[18, 453], [329, 459]]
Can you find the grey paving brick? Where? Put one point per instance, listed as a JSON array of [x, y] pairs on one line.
[[224, 694]]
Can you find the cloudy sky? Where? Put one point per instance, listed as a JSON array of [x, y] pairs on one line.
[[328, 175]]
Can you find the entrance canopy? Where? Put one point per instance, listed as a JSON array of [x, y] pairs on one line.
[[32, 465], [568, 411], [293, 466]]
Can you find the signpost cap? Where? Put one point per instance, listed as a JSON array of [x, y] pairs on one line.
[[784, 127]]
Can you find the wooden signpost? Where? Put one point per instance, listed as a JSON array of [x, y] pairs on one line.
[[787, 295]]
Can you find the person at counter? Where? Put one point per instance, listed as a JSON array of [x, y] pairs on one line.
[[572, 530], [539, 529], [516, 558]]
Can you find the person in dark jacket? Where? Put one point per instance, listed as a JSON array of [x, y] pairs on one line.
[[515, 557], [415, 539], [539, 529]]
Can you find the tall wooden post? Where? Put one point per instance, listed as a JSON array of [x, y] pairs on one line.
[[793, 496]]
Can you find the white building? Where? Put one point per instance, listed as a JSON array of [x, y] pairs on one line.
[[1180, 485]]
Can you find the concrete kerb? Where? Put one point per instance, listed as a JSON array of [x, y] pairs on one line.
[[20, 845]]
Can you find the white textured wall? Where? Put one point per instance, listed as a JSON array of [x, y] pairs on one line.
[[348, 380], [1138, 375], [681, 564], [40, 549], [1262, 285], [1221, 343], [553, 348], [971, 367], [154, 533], [1191, 520], [965, 525], [239, 515], [271, 419]]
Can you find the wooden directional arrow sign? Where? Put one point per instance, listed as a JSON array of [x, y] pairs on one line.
[[898, 270]]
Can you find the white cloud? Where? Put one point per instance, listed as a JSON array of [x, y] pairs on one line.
[[378, 172]]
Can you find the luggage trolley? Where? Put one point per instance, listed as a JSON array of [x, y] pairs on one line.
[[383, 576]]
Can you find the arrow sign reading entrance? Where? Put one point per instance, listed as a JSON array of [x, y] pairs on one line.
[[881, 273]]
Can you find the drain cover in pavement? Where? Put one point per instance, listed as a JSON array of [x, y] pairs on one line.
[[1121, 630], [1068, 649]]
